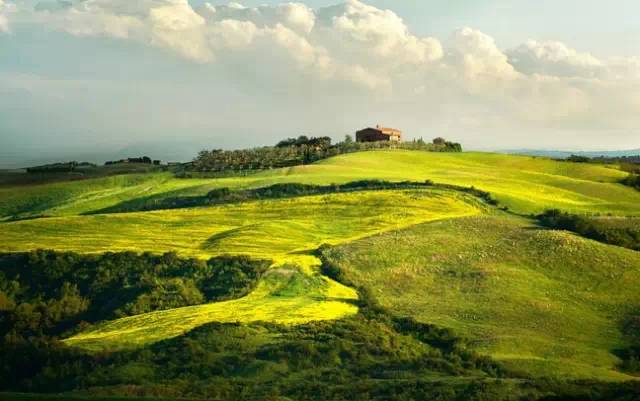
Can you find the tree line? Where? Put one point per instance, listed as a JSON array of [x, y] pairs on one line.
[[141, 160], [63, 167], [619, 232], [302, 150], [47, 292]]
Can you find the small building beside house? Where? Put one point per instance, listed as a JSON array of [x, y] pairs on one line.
[[379, 134]]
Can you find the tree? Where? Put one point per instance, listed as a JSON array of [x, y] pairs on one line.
[[439, 141]]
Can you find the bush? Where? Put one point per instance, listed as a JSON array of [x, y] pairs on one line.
[[625, 233]]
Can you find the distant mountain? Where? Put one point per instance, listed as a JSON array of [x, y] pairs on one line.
[[563, 154]]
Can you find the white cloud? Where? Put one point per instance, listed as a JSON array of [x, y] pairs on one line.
[[478, 57], [5, 9], [295, 16], [358, 31], [171, 24], [554, 59]]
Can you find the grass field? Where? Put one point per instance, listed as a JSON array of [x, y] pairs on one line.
[[524, 184], [281, 230], [263, 229], [544, 302]]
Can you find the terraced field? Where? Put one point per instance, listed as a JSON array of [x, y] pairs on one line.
[[544, 302], [524, 184]]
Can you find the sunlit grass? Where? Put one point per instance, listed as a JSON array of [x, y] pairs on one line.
[[287, 295], [262, 228], [285, 231], [543, 302]]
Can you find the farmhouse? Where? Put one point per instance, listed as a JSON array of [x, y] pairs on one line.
[[379, 134]]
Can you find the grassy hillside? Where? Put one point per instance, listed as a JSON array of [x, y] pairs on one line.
[[75, 197], [544, 302], [525, 184], [263, 228], [281, 230]]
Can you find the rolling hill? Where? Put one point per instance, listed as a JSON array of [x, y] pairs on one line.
[[542, 303]]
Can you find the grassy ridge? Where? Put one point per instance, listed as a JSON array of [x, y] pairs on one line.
[[543, 302], [525, 184]]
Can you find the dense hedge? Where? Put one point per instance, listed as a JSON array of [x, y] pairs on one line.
[[45, 293], [633, 180], [625, 234]]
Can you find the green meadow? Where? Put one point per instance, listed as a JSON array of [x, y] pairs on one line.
[[544, 302], [266, 229]]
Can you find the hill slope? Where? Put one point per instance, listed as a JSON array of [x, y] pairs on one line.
[[543, 302], [281, 230]]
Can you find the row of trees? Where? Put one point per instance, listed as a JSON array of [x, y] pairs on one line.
[[63, 167], [141, 160], [615, 232], [302, 150]]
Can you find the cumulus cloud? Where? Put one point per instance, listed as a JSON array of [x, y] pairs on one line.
[[171, 24], [295, 16], [554, 59], [353, 47], [478, 55], [5, 9]]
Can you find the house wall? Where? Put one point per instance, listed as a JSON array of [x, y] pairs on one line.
[[372, 135]]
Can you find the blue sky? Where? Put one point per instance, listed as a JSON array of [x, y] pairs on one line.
[[109, 77]]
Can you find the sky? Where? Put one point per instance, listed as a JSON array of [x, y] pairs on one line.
[[96, 79]]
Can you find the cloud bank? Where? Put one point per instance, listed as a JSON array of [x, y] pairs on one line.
[[466, 81]]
